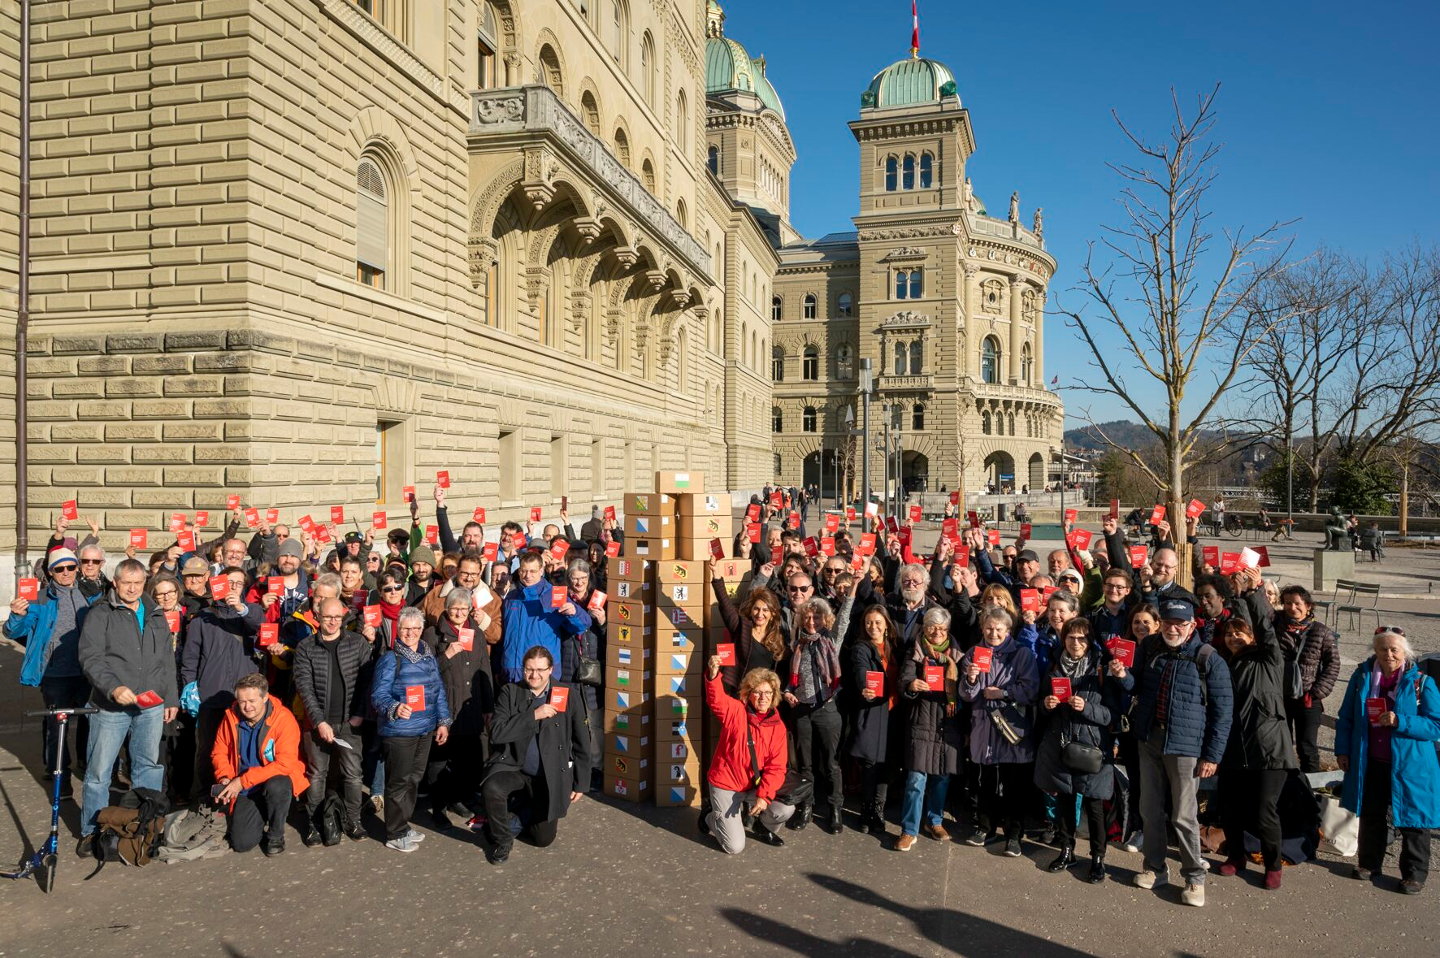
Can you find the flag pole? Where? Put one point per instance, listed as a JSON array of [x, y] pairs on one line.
[[914, 29]]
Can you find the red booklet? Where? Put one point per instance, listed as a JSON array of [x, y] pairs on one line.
[[1157, 515], [992, 536], [465, 638], [1194, 509], [974, 519], [812, 548], [148, 700], [612, 549], [177, 521], [220, 588], [306, 523], [172, 619], [955, 497], [609, 513], [1080, 538], [337, 514], [832, 522], [1376, 707], [377, 520], [432, 535], [962, 556], [558, 548], [726, 651], [597, 600], [492, 551], [559, 697], [915, 513], [935, 677], [850, 515], [793, 522], [777, 555], [1071, 515], [371, 615], [559, 595], [875, 682], [269, 634], [717, 550], [1114, 508], [1060, 688], [777, 499], [1229, 563], [1029, 600], [1139, 555], [186, 540], [827, 546], [1210, 555], [752, 512], [202, 519], [442, 479], [752, 532], [70, 509], [232, 501], [407, 494], [981, 656], [252, 517], [28, 589], [1123, 650], [272, 516], [479, 515], [415, 697], [1025, 530], [275, 585], [138, 538], [535, 513]]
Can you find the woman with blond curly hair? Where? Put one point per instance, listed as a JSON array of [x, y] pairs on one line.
[[749, 763]]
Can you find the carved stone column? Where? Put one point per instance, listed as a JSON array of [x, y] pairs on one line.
[[1017, 290]]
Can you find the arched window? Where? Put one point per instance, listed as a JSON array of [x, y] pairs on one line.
[[591, 111], [810, 364], [713, 159], [890, 169], [777, 419], [902, 284], [622, 147], [985, 422], [926, 168], [681, 214], [618, 30], [485, 47], [1025, 361], [776, 307], [550, 70], [682, 122], [917, 358], [897, 417], [917, 417], [844, 305], [372, 223], [844, 361], [917, 283], [990, 360], [777, 364], [808, 419], [647, 68], [647, 175], [808, 306], [907, 176], [902, 358]]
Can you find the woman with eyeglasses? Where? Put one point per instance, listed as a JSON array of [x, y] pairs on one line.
[[178, 736], [389, 594], [1314, 649], [1385, 735], [749, 762], [589, 644], [408, 695], [462, 649], [929, 681]]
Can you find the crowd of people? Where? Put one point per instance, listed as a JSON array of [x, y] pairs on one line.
[[1024, 697]]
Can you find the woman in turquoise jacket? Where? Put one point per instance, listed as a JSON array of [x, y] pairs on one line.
[[1385, 737]]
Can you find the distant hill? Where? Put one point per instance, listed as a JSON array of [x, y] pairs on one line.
[[1130, 435]]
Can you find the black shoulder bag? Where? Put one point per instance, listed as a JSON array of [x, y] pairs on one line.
[[795, 790]]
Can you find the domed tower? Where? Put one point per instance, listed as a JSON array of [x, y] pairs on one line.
[[750, 150], [951, 300]]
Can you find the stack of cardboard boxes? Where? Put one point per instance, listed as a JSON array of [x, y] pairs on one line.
[[660, 599]]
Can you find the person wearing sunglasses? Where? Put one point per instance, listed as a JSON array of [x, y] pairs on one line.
[[49, 628], [92, 579], [1385, 735]]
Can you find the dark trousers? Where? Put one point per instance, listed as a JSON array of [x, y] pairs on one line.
[[1250, 801], [1004, 792], [405, 758], [318, 757], [458, 779], [508, 792], [874, 786], [261, 814], [180, 736], [207, 726], [64, 693], [1094, 811], [1374, 819], [1304, 729], [817, 743]]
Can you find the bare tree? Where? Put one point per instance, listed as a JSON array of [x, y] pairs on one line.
[[1175, 294]]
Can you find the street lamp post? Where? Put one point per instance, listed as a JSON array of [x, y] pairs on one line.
[[849, 445], [866, 385]]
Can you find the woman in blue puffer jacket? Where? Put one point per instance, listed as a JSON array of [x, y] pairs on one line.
[[1385, 737], [410, 706]]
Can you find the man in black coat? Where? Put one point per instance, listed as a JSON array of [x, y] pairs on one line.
[[540, 757]]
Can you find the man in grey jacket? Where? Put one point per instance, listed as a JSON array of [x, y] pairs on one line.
[[128, 655]]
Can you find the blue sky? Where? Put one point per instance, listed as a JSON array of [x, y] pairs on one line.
[[1325, 114]]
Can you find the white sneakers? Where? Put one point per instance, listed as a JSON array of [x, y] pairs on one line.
[[403, 844], [1193, 895], [1151, 879]]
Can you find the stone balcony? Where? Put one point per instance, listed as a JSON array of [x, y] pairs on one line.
[[1014, 394], [889, 383]]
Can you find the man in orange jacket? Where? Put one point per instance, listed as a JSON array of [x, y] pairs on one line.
[[258, 770]]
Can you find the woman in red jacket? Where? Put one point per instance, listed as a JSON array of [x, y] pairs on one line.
[[749, 762]]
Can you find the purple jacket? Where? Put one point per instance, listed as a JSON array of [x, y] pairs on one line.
[[1012, 668]]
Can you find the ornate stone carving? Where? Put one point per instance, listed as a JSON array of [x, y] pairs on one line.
[[501, 108], [904, 252]]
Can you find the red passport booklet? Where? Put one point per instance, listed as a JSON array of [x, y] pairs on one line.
[[1060, 688], [269, 634], [465, 638], [172, 619], [337, 514], [935, 677], [1123, 650], [559, 697], [875, 682], [1376, 707], [726, 651], [371, 615], [148, 700], [1138, 556], [981, 655], [1030, 600], [559, 595], [415, 697], [220, 588]]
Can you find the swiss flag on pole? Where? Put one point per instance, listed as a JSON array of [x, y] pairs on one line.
[[914, 27]]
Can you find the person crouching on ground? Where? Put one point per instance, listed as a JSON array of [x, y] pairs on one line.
[[750, 759], [257, 766]]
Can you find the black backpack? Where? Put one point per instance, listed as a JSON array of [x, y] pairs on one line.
[[330, 820], [131, 832]]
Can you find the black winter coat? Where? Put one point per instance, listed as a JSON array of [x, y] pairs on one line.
[[933, 739], [312, 675], [1260, 734], [1320, 659], [564, 745], [469, 683], [870, 720], [115, 652], [1090, 726]]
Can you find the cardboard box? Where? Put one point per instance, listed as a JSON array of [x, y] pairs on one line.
[[618, 656], [632, 722], [695, 533], [626, 680], [692, 504], [676, 483], [677, 773], [649, 527], [681, 571], [693, 596], [679, 618], [649, 504], [677, 796], [730, 570], [680, 706], [680, 728], [631, 570], [677, 662], [627, 789], [628, 699], [679, 640], [634, 636], [635, 746], [630, 613], [626, 590], [682, 685], [650, 548], [684, 749]]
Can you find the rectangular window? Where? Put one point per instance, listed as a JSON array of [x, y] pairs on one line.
[[559, 474], [597, 468], [509, 466], [484, 65], [391, 459], [370, 276]]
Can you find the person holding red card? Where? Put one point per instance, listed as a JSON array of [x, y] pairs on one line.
[[1313, 650], [587, 644], [540, 758], [1385, 734], [877, 654], [1074, 757], [462, 647], [257, 766], [755, 628], [748, 766], [1002, 748], [409, 699], [528, 618], [933, 736], [125, 651]]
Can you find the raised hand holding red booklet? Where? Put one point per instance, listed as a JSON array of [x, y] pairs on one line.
[[28, 589], [726, 651], [465, 638], [1139, 555], [138, 538], [1060, 688], [337, 514], [70, 510], [597, 601], [875, 682], [479, 515], [559, 697], [1029, 600], [1157, 515], [377, 520], [981, 656], [1123, 651], [415, 697], [220, 588]]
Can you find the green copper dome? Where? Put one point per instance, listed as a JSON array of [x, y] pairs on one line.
[[729, 67], [909, 82]]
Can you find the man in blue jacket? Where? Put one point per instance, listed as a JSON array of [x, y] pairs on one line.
[[530, 620], [49, 628], [1182, 722]]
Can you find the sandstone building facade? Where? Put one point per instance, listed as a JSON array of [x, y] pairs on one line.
[[310, 251]]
